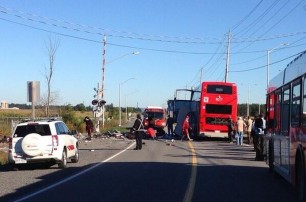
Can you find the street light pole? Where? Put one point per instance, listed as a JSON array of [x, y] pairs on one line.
[[122, 56], [103, 73], [126, 107], [120, 98], [268, 61], [268, 68]]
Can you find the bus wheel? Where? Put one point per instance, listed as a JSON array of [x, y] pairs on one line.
[[300, 179]]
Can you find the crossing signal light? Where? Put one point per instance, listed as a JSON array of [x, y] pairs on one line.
[[102, 102], [94, 102]]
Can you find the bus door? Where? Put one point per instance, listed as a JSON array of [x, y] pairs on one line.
[[284, 136], [295, 130], [303, 128], [277, 125]]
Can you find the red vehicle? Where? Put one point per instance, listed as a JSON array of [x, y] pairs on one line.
[[155, 117], [210, 105], [218, 102], [285, 142]]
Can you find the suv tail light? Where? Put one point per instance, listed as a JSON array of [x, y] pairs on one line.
[[54, 140]]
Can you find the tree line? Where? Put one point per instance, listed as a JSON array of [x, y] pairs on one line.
[[254, 109], [79, 107]]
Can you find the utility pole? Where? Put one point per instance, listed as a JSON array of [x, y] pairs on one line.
[[103, 79], [201, 75], [227, 54]]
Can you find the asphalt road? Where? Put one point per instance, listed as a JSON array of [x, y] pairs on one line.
[[110, 170]]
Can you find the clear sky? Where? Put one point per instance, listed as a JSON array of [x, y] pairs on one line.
[[175, 38]]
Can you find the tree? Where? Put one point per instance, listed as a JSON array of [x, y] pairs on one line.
[[46, 103], [51, 47], [80, 107]]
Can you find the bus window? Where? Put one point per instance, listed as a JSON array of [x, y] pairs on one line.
[[296, 105], [277, 114], [270, 111], [218, 109], [304, 106], [285, 111]]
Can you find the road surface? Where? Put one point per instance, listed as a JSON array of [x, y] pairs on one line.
[[110, 170]]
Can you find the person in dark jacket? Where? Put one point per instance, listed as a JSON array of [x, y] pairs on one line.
[[230, 129], [138, 130], [169, 125], [258, 138], [89, 126]]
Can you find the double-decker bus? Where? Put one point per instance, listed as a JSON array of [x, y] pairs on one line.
[[209, 106], [218, 102], [286, 124]]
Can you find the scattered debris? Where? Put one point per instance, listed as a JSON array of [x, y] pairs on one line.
[[171, 143]]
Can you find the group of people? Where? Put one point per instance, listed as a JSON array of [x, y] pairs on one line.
[[255, 129], [185, 127]]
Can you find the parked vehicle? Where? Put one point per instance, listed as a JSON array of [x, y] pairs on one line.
[[285, 142], [45, 141], [155, 117]]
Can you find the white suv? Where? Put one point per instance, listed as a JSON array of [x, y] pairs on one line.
[[47, 141]]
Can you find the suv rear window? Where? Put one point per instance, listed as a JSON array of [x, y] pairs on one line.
[[42, 129]]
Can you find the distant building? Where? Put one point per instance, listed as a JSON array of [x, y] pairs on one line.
[[4, 105]]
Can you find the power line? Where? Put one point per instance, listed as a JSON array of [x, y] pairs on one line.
[[260, 57], [260, 67], [125, 46], [179, 40], [23, 15], [258, 19], [247, 16], [272, 25], [44, 30]]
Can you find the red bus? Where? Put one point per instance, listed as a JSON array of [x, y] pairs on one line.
[[285, 142], [218, 102], [210, 105]]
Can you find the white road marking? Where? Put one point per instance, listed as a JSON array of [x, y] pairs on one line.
[[73, 176]]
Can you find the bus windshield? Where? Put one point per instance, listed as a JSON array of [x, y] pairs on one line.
[[155, 115]]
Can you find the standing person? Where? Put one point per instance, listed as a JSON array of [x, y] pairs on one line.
[[89, 126], [258, 138], [138, 129], [249, 129], [230, 129], [263, 123], [240, 128], [169, 125], [186, 127]]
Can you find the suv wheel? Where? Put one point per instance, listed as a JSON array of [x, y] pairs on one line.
[[63, 163], [75, 159]]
